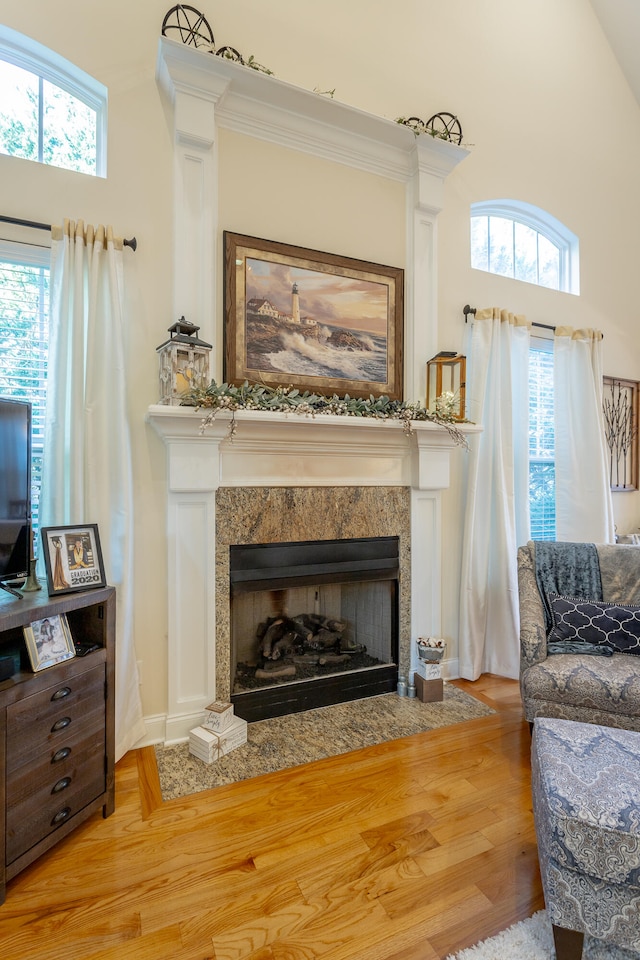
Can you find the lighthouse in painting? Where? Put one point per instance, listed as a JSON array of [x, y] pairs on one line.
[[295, 304]]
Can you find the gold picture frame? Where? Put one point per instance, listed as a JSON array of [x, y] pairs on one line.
[[314, 321], [48, 642]]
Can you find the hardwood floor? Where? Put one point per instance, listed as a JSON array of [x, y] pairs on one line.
[[408, 850]]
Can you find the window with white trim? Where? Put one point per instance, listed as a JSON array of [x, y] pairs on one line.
[[514, 239], [24, 341], [50, 110]]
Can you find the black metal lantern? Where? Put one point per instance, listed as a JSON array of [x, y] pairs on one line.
[[184, 362]]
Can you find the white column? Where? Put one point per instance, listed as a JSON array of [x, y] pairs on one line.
[[426, 566], [425, 198], [193, 468], [431, 474]]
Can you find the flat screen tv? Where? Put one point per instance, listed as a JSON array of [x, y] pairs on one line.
[[15, 489]]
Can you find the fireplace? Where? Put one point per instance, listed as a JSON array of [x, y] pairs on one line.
[[289, 479], [312, 623], [276, 461]]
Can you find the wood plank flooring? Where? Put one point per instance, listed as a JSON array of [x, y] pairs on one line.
[[408, 850]]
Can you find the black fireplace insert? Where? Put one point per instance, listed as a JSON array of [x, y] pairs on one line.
[[312, 623]]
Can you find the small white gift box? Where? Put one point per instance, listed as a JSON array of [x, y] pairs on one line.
[[209, 745], [428, 671], [218, 716]]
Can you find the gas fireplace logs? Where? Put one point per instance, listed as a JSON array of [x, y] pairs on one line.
[[308, 635]]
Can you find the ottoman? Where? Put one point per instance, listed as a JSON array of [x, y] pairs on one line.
[[585, 782]]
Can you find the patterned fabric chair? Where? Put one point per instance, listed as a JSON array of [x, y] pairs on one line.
[[577, 686], [585, 780]]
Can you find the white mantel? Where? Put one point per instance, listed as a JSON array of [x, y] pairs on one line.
[[203, 94], [275, 450]]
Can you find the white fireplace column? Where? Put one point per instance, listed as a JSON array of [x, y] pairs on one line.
[[193, 470]]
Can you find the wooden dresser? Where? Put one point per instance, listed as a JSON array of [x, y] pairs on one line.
[[57, 727]]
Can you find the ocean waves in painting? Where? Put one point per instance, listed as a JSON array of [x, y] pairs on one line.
[[363, 358]]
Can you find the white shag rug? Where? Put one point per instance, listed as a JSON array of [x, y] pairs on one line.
[[532, 939]]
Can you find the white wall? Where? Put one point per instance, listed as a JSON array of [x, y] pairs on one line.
[[544, 109]]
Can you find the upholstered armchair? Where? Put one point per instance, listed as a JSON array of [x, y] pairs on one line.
[[587, 677]]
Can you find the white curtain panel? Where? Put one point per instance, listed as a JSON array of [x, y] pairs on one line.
[[584, 505], [497, 502], [87, 457]]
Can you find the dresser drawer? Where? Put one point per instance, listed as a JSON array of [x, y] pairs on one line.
[[52, 804], [56, 771], [61, 715]]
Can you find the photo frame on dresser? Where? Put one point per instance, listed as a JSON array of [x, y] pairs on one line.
[[48, 642], [320, 322], [73, 558]]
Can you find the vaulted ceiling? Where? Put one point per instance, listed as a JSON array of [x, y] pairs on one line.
[[620, 21]]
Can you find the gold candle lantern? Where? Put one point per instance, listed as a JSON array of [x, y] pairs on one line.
[[446, 374]]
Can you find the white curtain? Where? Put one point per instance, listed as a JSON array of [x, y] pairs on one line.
[[584, 506], [497, 507], [87, 456]]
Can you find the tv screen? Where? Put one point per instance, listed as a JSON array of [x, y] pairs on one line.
[[15, 488]]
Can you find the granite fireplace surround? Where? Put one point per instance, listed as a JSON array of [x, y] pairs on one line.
[[298, 514], [332, 476]]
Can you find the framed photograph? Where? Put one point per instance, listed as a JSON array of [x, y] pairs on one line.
[[315, 321], [48, 642], [620, 409], [73, 558]]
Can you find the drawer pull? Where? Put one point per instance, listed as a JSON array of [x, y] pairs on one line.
[[61, 785], [61, 816], [61, 755], [61, 693], [61, 724]]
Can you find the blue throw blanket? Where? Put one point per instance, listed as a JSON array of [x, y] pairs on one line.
[[570, 569]]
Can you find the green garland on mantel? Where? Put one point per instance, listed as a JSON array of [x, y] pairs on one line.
[[256, 396]]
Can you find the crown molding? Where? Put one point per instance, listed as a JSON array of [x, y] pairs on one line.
[[258, 105]]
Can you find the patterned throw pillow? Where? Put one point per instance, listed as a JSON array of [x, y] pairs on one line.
[[590, 621]]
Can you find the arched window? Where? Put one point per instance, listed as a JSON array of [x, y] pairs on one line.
[[50, 110], [515, 239]]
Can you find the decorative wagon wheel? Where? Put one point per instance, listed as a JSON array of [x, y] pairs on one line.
[[229, 53], [188, 25], [415, 123], [444, 126]]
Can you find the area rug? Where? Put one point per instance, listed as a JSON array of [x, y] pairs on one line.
[[532, 939], [284, 742]]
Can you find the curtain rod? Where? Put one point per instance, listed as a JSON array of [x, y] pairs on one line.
[[467, 310], [133, 243]]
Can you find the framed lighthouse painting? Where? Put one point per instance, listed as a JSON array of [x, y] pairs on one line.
[[315, 321]]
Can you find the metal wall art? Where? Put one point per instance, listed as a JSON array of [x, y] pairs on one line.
[[620, 407]]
